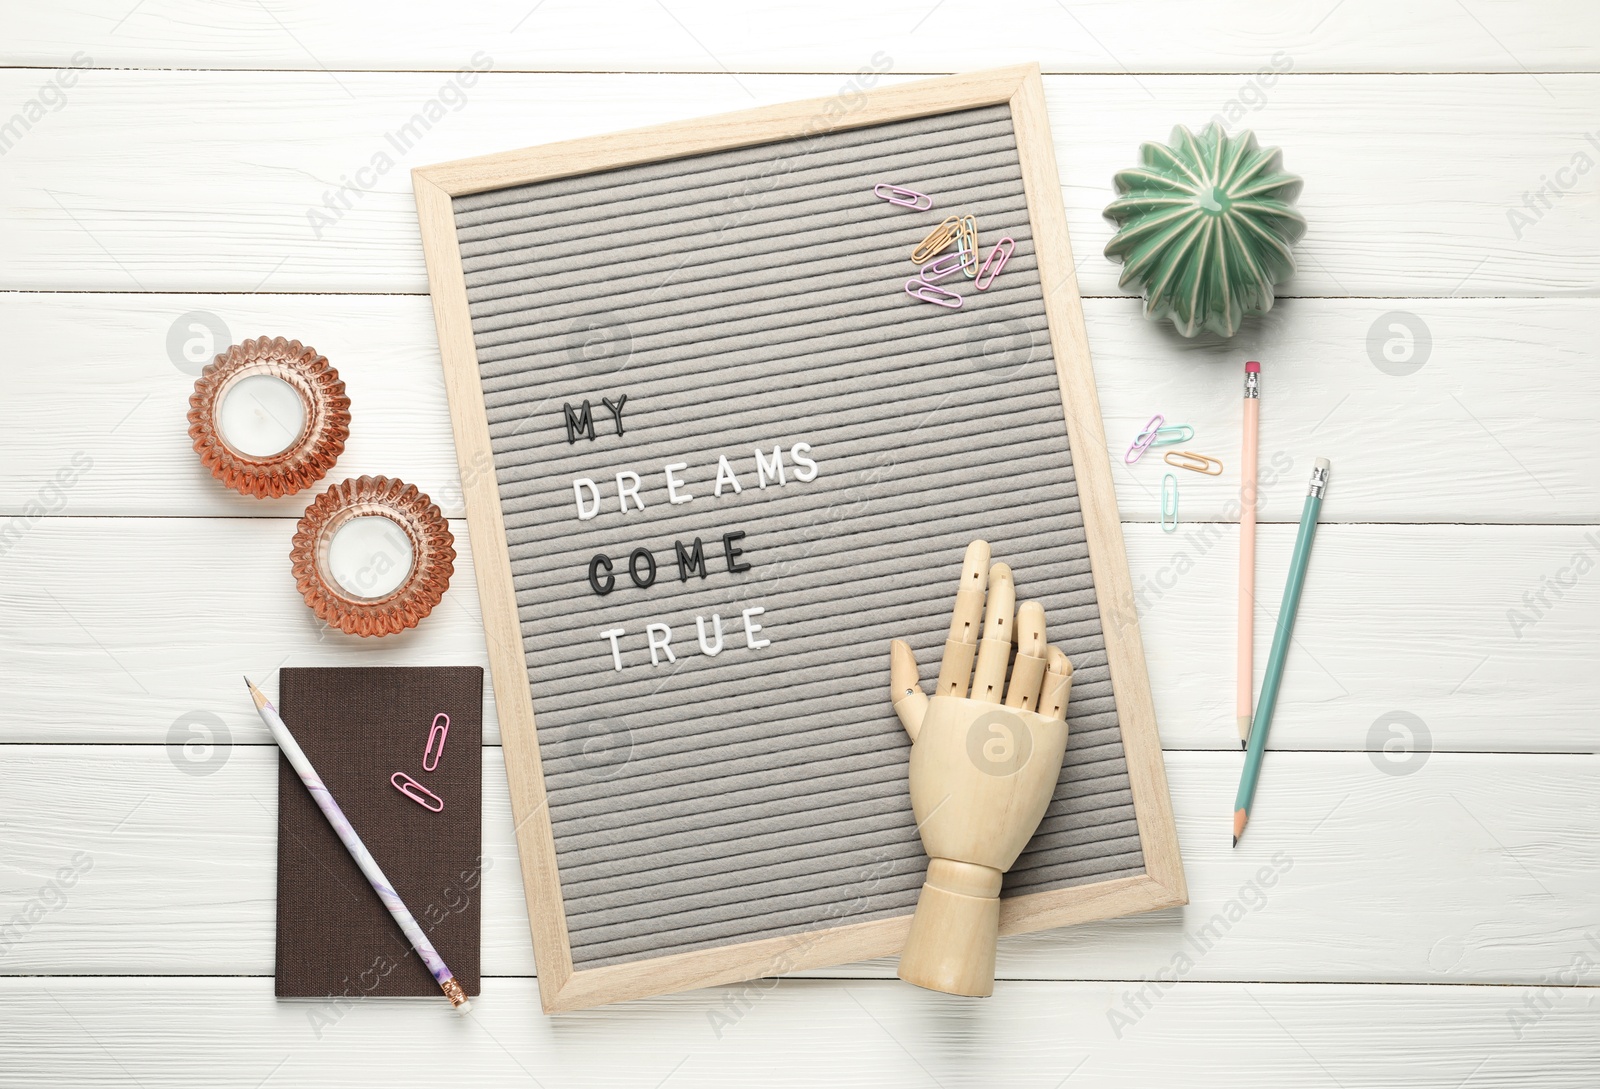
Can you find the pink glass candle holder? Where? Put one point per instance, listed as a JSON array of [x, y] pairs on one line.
[[269, 417], [372, 556]]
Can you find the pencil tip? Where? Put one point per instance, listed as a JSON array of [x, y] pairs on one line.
[[1236, 841], [1244, 744], [256, 695]]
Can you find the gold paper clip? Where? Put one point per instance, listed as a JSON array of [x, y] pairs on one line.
[[938, 239], [1199, 463], [967, 244]]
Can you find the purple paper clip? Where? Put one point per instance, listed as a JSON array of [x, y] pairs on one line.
[[1004, 255], [941, 267], [418, 793], [933, 293], [1144, 439], [894, 194], [436, 733]]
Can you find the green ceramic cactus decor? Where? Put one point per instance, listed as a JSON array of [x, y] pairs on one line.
[[1205, 227]]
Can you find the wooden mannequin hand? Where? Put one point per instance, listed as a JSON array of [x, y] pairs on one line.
[[985, 758]]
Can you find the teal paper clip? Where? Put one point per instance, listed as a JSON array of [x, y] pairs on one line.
[[1169, 504], [1171, 436]]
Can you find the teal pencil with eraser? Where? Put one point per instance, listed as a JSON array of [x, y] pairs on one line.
[[1281, 634]]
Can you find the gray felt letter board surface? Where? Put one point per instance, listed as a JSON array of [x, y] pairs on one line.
[[689, 594]]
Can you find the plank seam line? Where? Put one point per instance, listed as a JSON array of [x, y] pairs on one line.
[[811, 977], [1063, 73], [1219, 750], [52, 518], [1563, 297]]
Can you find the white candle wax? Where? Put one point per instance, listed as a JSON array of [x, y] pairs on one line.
[[261, 416], [369, 556]]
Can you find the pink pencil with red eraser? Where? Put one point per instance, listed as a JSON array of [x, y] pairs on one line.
[[1247, 547]]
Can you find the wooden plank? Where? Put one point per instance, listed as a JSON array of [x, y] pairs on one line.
[[1473, 435], [832, 36], [1351, 873], [1432, 621], [106, 592], [231, 1032], [175, 181], [726, 131]]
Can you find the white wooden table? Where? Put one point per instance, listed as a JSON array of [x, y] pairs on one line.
[[1433, 789]]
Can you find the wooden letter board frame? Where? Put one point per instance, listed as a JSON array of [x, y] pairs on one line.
[[1162, 885]]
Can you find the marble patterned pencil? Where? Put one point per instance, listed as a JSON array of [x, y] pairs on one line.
[[358, 851]]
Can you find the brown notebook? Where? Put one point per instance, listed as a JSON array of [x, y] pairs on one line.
[[358, 727]]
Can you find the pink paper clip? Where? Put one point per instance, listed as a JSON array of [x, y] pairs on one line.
[[894, 194], [436, 733], [418, 793], [933, 293], [1144, 439], [941, 267], [1004, 255]]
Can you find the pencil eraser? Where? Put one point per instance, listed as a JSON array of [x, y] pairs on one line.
[[1324, 464], [1252, 367]]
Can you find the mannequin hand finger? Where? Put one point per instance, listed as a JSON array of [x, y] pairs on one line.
[[1027, 672], [1057, 686], [910, 701], [994, 649], [961, 645]]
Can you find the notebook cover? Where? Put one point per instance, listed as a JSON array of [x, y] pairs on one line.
[[358, 727]]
